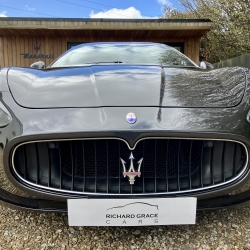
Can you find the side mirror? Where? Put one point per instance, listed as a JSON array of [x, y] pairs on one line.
[[38, 65], [206, 65]]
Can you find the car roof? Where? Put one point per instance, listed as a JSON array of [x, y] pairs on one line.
[[119, 43]]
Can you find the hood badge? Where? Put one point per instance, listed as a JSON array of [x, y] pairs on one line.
[[131, 173], [131, 118]]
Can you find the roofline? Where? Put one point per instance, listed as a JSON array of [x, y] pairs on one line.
[[103, 20]]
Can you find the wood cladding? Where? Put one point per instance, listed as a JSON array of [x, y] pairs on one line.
[[11, 47]]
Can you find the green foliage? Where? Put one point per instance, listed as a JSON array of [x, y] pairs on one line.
[[230, 34]]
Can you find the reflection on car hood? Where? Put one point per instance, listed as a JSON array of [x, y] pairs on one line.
[[126, 85]]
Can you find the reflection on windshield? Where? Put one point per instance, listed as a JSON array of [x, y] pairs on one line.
[[135, 53]]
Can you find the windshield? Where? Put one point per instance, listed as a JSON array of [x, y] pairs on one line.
[[132, 53]]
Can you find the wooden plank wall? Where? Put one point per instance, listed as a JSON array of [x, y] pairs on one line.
[[11, 47]]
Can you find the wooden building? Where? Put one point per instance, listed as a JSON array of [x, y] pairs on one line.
[[27, 40]]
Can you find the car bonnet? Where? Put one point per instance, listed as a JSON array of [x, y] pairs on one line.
[[112, 85]]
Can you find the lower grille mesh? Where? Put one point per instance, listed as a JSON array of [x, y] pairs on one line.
[[94, 166]]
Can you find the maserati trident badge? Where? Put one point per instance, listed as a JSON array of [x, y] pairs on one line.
[[131, 118], [131, 173]]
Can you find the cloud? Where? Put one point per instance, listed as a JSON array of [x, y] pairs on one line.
[[163, 2], [28, 8], [130, 12], [3, 14]]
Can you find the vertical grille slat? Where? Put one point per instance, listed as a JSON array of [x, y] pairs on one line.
[[234, 159], [167, 165], [201, 173], [211, 165], [143, 177], [178, 165], [84, 168], [37, 172], [72, 166], [107, 166], [25, 162], [49, 174], [60, 166], [94, 166], [155, 153], [189, 166], [223, 162], [119, 159]]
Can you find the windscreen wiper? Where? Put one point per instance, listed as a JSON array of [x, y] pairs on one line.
[[103, 62]]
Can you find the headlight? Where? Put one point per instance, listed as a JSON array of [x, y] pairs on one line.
[[5, 117]]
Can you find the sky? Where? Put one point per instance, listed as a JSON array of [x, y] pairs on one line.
[[85, 8]]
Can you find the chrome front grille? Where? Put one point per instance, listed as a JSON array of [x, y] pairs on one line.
[[94, 165]]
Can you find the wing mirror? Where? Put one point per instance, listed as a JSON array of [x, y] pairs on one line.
[[206, 65], [38, 65]]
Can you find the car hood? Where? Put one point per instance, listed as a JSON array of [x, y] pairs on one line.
[[126, 85]]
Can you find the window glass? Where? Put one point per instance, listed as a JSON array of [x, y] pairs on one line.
[[131, 53]]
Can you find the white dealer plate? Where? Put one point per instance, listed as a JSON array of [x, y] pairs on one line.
[[131, 212]]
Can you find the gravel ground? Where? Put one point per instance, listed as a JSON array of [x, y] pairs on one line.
[[220, 229]]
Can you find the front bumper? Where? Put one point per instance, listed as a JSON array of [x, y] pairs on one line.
[[57, 206]]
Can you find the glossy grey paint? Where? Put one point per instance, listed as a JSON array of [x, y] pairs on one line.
[[126, 85], [58, 123]]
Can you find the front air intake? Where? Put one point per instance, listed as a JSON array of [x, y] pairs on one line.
[[95, 166]]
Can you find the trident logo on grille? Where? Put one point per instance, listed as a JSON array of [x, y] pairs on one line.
[[131, 173]]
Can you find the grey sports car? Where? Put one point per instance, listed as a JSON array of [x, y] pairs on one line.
[[124, 121]]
